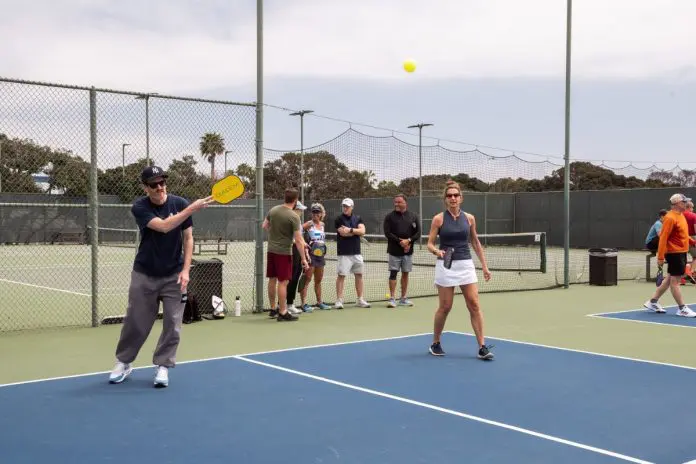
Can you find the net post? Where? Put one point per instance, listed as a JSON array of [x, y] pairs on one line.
[[94, 204], [542, 250]]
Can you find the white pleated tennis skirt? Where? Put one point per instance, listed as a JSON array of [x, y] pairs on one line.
[[462, 272]]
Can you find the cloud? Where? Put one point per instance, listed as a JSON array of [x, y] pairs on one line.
[[182, 46]]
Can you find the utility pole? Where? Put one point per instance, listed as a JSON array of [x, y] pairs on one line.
[[420, 127], [301, 114]]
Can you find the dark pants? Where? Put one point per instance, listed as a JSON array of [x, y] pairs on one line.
[[143, 306], [296, 273], [652, 244]]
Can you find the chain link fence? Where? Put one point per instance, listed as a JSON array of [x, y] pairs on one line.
[[67, 237]]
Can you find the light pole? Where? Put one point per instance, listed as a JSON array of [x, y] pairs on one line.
[[420, 127], [228, 151], [146, 97], [123, 157], [566, 177], [301, 114]]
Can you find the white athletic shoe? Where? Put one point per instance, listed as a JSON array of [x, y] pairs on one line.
[[338, 304], [120, 373], [656, 307], [162, 377], [362, 303], [293, 310], [686, 312]]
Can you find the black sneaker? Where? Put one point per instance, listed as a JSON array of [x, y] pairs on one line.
[[272, 313], [436, 349], [485, 352], [286, 317]]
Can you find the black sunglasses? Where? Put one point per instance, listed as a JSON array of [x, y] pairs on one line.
[[452, 195], [154, 185]]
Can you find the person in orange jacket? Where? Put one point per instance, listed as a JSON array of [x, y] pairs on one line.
[[673, 249]]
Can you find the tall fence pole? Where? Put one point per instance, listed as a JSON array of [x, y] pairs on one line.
[[94, 204], [258, 271], [566, 183], [420, 175], [0, 166]]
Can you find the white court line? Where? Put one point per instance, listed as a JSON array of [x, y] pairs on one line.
[[44, 288], [617, 312], [604, 355], [351, 342], [448, 411], [643, 322], [87, 374], [606, 316]]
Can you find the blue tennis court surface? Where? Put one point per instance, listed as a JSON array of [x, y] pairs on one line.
[[644, 315], [382, 401]]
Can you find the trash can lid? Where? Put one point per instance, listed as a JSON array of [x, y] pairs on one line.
[[608, 252]]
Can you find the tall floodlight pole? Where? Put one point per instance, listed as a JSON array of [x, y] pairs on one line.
[[566, 177], [420, 127], [258, 271], [301, 114], [123, 158], [226, 152], [146, 97]]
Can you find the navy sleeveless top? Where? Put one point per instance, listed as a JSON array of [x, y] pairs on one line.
[[455, 234]]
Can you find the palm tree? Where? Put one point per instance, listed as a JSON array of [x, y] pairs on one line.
[[212, 144]]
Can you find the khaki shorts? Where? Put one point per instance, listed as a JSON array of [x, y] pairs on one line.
[[350, 264]]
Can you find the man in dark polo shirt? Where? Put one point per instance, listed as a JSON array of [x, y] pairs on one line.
[[160, 272], [349, 227], [402, 229]]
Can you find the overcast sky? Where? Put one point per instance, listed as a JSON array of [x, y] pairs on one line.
[[490, 72]]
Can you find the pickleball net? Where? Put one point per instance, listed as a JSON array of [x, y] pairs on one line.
[[518, 261]]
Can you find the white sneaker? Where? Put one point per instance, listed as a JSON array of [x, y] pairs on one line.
[[391, 303], [338, 304], [656, 307], [362, 303], [120, 373], [293, 310], [162, 377], [686, 312]]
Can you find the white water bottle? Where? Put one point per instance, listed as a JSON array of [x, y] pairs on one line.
[[237, 307]]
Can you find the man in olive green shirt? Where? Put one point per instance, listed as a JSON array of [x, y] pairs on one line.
[[283, 226]]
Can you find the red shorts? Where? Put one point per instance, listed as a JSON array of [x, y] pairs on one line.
[[278, 266]]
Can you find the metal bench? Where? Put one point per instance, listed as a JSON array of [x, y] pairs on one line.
[[648, 257], [68, 237], [203, 246]]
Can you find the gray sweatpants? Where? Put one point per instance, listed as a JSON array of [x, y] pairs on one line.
[[143, 306]]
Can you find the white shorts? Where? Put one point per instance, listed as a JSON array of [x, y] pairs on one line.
[[349, 264], [462, 272]]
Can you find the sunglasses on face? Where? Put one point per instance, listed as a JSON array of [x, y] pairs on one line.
[[154, 185], [452, 195]]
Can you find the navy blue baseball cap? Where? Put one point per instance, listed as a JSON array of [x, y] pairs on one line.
[[152, 172]]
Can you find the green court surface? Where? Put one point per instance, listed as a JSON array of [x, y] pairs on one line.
[[557, 317], [49, 286]]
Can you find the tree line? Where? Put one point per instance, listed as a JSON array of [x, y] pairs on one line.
[[326, 177]]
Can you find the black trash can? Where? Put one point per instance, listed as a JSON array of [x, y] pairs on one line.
[[603, 266], [206, 281]]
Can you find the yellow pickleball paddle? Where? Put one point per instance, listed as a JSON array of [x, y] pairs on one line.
[[228, 189]]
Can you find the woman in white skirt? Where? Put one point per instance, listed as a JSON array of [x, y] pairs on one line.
[[457, 232]]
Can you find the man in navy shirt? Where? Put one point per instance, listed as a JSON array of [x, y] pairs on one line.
[[160, 272], [349, 227]]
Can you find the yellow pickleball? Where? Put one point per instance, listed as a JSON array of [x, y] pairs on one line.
[[409, 65], [228, 189]]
